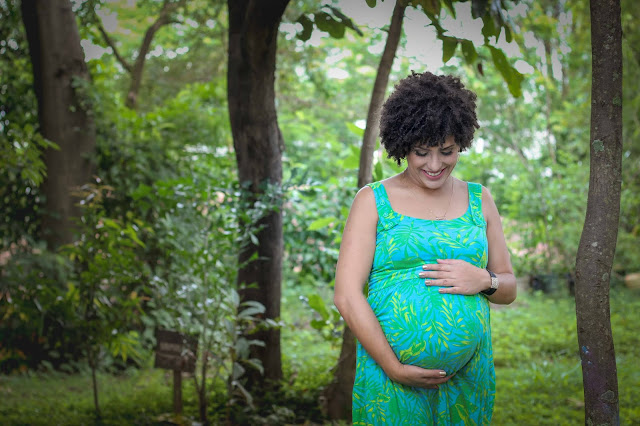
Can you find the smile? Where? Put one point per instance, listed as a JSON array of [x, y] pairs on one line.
[[436, 174]]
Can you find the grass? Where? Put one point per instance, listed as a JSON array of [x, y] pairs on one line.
[[539, 379]]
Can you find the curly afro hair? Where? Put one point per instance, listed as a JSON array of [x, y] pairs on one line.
[[424, 109]]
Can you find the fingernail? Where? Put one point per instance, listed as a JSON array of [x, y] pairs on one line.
[[421, 275], [424, 267], [443, 374]]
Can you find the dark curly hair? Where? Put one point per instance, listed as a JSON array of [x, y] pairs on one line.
[[424, 109]]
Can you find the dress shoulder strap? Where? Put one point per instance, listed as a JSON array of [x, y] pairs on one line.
[[387, 218], [475, 203]]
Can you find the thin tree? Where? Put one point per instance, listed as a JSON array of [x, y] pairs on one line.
[[59, 76], [338, 393], [599, 235], [135, 69], [258, 144]]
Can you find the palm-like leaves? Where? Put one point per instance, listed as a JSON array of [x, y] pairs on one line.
[[424, 327]]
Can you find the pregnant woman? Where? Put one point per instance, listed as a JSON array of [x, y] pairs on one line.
[[432, 250]]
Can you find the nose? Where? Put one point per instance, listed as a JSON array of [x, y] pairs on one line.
[[434, 162]]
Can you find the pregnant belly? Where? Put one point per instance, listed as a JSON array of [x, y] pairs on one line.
[[429, 329]]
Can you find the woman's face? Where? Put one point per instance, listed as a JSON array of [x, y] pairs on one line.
[[432, 166]]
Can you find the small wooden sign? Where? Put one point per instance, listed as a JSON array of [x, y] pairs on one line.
[[176, 351]]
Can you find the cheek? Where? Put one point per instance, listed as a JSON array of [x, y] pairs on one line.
[[452, 160]]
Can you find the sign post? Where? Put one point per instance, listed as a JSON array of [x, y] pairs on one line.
[[176, 351]]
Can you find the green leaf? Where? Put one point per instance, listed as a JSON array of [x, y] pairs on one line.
[[479, 8], [134, 236], [321, 223], [307, 27], [449, 45], [510, 74], [252, 307], [355, 129], [317, 304], [489, 26], [449, 5], [326, 22], [431, 7], [353, 160], [378, 174], [141, 191], [346, 21], [318, 324], [255, 363], [468, 51]]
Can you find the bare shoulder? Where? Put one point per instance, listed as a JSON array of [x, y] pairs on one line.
[[489, 208], [364, 205]]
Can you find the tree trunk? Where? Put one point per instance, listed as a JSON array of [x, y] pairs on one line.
[[59, 70], [258, 144], [338, 393], [598, 241]]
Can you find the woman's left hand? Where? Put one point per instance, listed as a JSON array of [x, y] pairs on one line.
[[456, 276]]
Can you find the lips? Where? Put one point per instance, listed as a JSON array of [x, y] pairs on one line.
[[434, 176]]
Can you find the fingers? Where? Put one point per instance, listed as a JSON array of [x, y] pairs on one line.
[[432, 383], [431, 267], [438, 283], [424, 378], [431, 274]]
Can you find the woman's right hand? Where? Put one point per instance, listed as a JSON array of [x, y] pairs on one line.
[[412, 375]]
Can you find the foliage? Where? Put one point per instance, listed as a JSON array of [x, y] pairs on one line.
[[22, 169]]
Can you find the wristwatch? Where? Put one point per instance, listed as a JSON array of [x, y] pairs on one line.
[[494, 284]]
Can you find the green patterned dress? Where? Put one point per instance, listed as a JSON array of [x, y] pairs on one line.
[[426, 328]]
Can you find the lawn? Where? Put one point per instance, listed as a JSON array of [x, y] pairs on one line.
[[539, 379]]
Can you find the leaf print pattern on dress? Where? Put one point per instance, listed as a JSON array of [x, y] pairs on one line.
[[424, 327]]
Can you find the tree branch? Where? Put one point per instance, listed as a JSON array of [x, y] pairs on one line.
[[125, 64], [136, 72]]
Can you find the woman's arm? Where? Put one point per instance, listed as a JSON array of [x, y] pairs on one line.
[[352, 271], [499, 258]]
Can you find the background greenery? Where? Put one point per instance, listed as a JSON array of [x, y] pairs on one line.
[[165, 203]]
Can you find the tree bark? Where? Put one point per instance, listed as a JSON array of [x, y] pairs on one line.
[[258, 144], [59, 70], [339, 393], [599, 235]]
